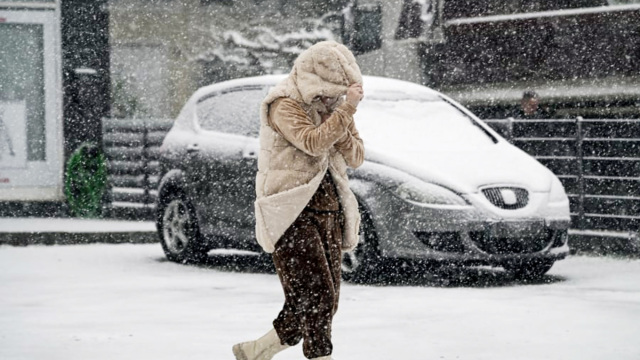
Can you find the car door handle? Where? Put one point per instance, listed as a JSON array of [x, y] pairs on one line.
[[193, 148]]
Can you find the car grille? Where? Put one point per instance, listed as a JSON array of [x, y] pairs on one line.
[[496, 197], [514, 245]]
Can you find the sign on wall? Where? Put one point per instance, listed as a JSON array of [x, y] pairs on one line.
[[13, 135]]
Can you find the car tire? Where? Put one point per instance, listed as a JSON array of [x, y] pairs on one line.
[[178, 229], [529, 269], [362, 264]]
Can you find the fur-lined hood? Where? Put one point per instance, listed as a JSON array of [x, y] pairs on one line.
[[324, 69]]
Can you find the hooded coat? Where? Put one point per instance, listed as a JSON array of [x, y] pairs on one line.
[[294, 158]]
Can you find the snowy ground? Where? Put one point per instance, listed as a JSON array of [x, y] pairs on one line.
[[126, 302]]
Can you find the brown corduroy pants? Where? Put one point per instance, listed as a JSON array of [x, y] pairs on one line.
[[307, 259]]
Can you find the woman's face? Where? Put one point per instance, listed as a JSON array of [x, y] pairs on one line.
[[328, 101], [324, 104]]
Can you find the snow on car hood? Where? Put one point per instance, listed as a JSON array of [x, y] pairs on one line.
[[431, 139]]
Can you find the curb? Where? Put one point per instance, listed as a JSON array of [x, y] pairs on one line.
[[73, 238]]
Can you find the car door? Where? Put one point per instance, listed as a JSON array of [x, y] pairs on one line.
[[229, 125]]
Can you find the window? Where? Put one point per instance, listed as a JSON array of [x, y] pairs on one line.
[[22, 89], [410, 24], [233, 111], [362, 28]]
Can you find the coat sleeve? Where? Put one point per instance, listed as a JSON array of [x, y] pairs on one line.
[[351, 146], [288, 119]]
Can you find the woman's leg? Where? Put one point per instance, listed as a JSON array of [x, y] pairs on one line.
[[306, 257]]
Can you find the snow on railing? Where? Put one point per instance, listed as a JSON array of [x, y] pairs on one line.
[[543, 14]]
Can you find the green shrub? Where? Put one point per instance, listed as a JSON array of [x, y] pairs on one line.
[[86, 181]]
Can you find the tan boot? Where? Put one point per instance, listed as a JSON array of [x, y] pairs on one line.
[[262, 349]]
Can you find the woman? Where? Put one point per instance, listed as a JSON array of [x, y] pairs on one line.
[[306, 215]]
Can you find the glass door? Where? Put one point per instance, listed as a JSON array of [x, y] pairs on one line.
[[31, 153]]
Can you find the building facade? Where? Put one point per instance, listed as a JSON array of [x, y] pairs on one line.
[[66, 64], [54, 91], [579, 56], [161, 51]]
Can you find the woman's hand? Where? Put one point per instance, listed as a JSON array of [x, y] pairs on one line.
[[355, 94]]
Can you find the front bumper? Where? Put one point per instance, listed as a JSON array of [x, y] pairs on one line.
[[466, 235]]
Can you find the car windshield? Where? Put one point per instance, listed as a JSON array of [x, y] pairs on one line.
[[234, 111], [399, 122]]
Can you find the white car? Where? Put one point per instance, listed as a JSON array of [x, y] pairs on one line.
[[437, 183]]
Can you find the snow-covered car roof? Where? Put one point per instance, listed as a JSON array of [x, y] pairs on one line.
[[373, 85]]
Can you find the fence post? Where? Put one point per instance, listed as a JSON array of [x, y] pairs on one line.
[[580, 162], [145, 154], [108, 199], [510, 129]]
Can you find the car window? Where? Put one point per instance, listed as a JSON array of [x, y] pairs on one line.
[[232, 111]]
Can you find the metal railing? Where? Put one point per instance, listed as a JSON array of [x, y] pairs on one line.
[[131, 147], [598, 162]]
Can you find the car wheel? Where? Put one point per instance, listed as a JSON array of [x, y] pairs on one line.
[[529, 269], [362, 264], [178, 229]]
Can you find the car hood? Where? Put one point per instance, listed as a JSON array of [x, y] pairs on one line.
[[431, 139], [467, 170]]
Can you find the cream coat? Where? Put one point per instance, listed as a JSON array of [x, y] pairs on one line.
[[296, 148]]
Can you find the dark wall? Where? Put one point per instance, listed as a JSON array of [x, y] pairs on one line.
[[85, 70], [584, 46]]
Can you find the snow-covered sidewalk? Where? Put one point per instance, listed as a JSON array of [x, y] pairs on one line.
[[72, 225], [127, 302]]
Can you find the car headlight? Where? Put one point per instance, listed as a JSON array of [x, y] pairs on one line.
[[422, 193], [557, 193]]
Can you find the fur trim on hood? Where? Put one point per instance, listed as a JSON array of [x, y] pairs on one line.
[[324, 69]]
